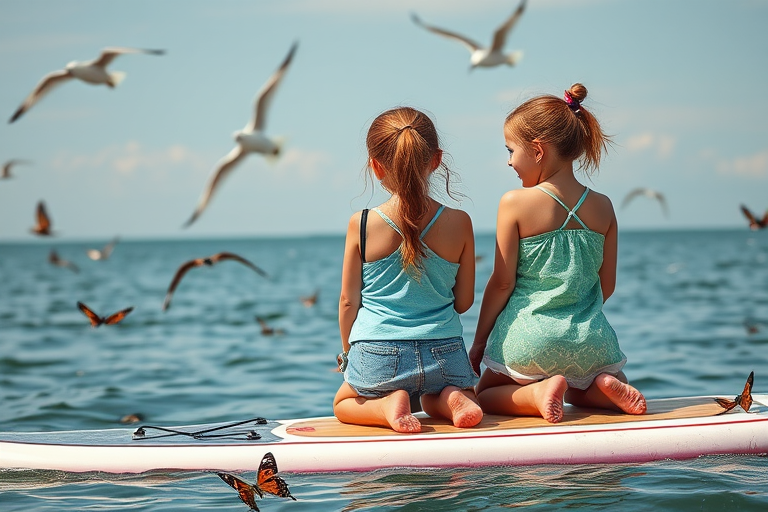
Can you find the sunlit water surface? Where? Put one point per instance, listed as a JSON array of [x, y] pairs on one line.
[[690, 309]]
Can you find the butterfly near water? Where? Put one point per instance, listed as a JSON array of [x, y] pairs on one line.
[[267, 481], [744, 400], [97, 320]]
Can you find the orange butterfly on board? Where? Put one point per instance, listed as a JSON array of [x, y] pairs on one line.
[[97, 320], [744, 400], [267, 481]]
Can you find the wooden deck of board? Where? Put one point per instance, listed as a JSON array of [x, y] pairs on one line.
[[673, 408]]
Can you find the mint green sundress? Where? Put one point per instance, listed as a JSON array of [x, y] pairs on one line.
[[553, 323]]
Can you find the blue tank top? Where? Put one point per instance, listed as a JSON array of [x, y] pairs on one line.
[[398, 306]]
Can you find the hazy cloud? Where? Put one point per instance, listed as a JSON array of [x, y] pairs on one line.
[[308, 165], [131, 157], [755, 166], [662, 145]]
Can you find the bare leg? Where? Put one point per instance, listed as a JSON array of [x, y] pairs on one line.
[[609, 392], [393, 410], [498, 394], [457, 405]]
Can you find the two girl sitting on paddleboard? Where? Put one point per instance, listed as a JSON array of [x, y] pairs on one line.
[[409, 271]]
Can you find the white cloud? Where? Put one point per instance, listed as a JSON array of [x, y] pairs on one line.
[[661, 144], [132, 157], [755, 166]]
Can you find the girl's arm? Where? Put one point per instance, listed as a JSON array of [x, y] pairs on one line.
[[607, 270], [351, 281], [502, 281], [464, 289]]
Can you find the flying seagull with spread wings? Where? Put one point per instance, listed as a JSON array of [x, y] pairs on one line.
[[92, 72], [6, 171], [103, 254], [209, 261], [55, 260], [43, 226], [250, 139], [480, 56], [755, 222], [649, 193]]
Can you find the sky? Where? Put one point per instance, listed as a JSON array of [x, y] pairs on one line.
[[682, 86]]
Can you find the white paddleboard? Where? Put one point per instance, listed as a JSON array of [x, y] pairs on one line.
[[674, 428]]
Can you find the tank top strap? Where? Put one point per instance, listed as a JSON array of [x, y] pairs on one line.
[[571, 213], [387, 220], [437, 214]]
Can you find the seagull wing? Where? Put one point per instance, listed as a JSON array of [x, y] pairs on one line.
[[232, 256], [748, 214], [43, 221], [631, 195], [264, 97], [11, 163], [109, 54], [473, 46], [500, 36], [107, 250], [48, 82], [177, 277], [225, 167], [763, 223]]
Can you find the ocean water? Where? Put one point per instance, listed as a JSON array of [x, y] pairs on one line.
[[690, 309]]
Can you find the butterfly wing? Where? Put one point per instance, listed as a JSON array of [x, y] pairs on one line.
[[725, 404], [244, 489], [745, 398], [117, 317], [268, 480], [93, 317]]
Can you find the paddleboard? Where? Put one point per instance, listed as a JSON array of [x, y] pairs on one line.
[[673, 428]]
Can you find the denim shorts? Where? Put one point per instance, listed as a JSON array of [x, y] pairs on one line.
[[420, 367]]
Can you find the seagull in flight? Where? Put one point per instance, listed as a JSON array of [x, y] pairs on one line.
[[103, 254], [43, 226], [55, 260], [209, 261], [250, 139], [92, 72], [755, 223], [649, 193], [6, 171], [485, 57]]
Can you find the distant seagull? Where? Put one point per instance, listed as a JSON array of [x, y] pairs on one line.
[[93, 72], [43, 227], [6, 172], [310, 300], [754, 222], [266, 330], [103, 254], [485, 57], [55, 260], [97, 320], [250, 139], [649, 193], [211, 260]]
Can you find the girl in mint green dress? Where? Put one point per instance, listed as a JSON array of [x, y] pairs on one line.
[[541, 332]]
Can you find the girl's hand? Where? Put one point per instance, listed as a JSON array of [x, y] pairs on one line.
[[476, 356]]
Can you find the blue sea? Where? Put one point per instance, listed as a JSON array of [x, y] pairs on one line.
[[690, 309]]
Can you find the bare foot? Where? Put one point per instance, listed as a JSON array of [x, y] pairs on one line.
[[397, 410], [464, 411], [549, 397], [623, 396]]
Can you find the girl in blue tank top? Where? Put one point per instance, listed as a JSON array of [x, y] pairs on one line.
[[409, 271], [541, 331]]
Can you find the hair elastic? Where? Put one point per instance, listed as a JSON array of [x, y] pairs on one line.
[[572, 102]]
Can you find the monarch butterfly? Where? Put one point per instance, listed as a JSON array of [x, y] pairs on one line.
[[97, 320], [267, 481], [744, 399]]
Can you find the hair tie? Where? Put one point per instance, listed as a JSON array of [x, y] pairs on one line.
[[401, 130], [572, 102]]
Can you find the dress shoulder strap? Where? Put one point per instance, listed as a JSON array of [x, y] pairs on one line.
[[571, 213], [437, 214], [388, 220]]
